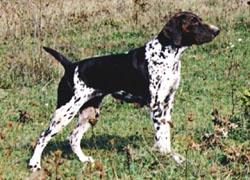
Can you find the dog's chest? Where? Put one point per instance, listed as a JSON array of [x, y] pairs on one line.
[[163, 67]]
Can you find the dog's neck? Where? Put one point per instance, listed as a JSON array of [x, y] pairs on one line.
[[162, 53]]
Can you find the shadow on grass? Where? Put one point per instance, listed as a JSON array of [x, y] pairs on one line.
[[105, 142]]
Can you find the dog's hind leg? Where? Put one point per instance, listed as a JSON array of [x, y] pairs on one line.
[[62, 117], [87, 117], [75, 136]]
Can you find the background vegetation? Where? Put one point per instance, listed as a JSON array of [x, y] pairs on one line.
[[211, 112]]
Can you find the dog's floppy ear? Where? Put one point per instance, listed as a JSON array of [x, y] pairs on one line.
[[173, 32]]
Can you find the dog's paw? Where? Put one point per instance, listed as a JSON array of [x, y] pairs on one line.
[[178, 158], [34, 165], [87, 159], [162, 149]]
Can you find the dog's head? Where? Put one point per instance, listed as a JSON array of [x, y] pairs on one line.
[[186, 29]]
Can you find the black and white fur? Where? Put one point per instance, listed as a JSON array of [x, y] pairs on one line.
[[148, 75]]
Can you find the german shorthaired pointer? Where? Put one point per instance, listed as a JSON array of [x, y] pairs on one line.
[[148, 75]]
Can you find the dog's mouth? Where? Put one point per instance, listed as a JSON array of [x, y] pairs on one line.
[[199, 41], [206, 37]]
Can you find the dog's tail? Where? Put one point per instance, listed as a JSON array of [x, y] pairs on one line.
[[63, 60]]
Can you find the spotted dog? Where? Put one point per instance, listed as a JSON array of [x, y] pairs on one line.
[[148, 75]]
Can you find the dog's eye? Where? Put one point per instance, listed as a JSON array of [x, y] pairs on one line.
[[194, 20]]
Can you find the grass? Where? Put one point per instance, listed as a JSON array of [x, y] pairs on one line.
[[207, 104]]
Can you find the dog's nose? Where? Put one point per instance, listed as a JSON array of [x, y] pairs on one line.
[[215, 29], [216, 32]]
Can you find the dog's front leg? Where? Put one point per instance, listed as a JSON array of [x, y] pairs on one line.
[[162, 123], [160, 112]]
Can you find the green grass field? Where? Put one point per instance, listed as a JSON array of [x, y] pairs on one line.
[[211, 109]]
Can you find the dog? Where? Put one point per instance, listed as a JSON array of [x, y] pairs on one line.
[[148, 75]]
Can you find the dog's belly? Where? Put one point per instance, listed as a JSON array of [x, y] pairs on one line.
[[130, 98]]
